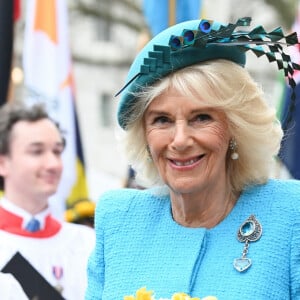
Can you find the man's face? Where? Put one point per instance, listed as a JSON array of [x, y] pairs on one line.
[[33, 167]]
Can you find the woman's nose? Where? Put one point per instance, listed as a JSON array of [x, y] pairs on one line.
[[182, 137]]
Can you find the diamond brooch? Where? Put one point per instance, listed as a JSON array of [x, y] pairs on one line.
[[249, 231]]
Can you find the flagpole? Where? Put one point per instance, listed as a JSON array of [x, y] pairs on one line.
[[6, 47], [172, 12]]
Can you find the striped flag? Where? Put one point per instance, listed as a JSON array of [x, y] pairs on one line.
[[48, 78], [161, 14], [289, 152]]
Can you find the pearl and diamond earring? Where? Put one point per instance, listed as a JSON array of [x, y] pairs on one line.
[[233, 147]]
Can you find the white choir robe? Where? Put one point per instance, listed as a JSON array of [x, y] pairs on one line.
[[59, 253]]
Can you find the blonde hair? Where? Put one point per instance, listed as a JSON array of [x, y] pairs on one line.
[[228, 87]]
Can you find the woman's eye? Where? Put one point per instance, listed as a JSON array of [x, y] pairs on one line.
[[203, 117], [161, 120]]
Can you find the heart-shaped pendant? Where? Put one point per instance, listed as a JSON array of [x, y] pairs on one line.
[[242, 264]]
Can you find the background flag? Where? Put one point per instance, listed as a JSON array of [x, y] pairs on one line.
[[161, 14], [289, 153], [48, 79], [17, 9]]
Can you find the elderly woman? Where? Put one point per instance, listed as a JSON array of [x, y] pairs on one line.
[[198, 128]]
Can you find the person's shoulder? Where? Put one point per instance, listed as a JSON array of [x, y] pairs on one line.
[[284, 187], [77, 227], [283, 193], [125, 200], [121, 194], [85, 232], [277, 186], [285, 183], [77, 234], [122, 198], [120, 208]]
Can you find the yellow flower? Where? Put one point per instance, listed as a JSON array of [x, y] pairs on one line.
[[183, 296], [141, 294], [81, 209]]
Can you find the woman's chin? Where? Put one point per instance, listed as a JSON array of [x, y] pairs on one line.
[[183, 187]]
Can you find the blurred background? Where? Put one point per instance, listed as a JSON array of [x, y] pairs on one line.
[[103, 37]]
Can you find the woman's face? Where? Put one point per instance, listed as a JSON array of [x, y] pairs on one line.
[[188, 142]]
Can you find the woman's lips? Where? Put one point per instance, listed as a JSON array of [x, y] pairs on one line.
[[186, 162]]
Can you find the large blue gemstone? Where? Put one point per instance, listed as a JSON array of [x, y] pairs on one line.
[[247, 228]]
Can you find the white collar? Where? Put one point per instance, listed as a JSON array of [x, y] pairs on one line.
[[25, 215]]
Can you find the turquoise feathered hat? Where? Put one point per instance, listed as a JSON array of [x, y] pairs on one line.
[[195, 41]]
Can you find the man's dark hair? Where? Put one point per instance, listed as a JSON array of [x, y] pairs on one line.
[[14, 112]]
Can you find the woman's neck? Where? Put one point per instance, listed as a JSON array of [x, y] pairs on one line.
[[206, 210]]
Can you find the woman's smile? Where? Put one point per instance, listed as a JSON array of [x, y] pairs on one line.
[[184, 164]]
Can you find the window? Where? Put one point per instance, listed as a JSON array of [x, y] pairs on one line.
[[106, 110]]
